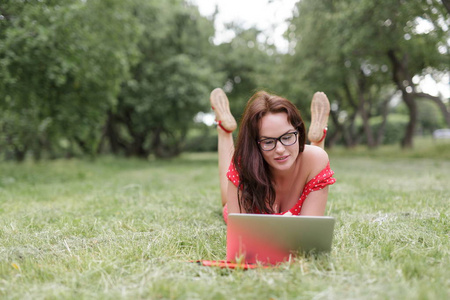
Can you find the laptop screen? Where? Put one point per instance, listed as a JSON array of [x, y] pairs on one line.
[[272, 239]]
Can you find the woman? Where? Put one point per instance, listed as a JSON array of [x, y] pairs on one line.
[[271, 170]]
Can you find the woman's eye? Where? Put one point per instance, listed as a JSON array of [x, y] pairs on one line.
[[268, 142], [287, 137]]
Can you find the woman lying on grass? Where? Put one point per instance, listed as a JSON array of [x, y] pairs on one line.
[[271, 170]]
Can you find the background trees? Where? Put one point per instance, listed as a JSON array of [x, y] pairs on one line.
[[169, 85], [247, 64], [62, 64], [364, 51], [127, 77]]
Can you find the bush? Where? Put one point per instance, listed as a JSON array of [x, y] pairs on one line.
[[201, 139], [394, 130]]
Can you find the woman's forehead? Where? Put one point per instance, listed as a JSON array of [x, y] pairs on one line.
[[274, 124]]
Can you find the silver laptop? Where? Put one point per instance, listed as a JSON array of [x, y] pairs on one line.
[[272, 239]]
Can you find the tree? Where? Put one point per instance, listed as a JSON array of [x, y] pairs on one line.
[[410, 51], [446, 4], [351, 47], [248, 63], [170, 84], [323, 63], [62, 63]]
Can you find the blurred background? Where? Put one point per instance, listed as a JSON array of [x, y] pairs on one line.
[[133, 77]]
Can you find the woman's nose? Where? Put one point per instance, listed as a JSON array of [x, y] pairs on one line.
[[279, 148]]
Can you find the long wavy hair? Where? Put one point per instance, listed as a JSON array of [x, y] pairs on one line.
[[256, 193]]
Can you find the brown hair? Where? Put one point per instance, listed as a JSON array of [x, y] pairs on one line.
[[256, 193]]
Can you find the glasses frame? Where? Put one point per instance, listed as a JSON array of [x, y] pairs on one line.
[[278, 139]]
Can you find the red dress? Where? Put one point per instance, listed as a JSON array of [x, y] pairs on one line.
[[321, 180]]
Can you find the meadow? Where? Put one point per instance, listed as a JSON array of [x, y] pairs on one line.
[[116, 228]]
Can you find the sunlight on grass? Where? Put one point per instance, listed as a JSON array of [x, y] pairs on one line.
[[114, 228]]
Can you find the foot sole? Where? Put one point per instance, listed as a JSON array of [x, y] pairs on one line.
[[221, 107], [320, 110]]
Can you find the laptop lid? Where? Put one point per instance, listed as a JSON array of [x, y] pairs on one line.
[[274, 238]]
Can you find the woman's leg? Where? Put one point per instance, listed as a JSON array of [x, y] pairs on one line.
[[226, 125], [320, 110], [225, 151]]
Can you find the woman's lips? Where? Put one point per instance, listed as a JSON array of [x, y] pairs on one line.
[[282, 158]]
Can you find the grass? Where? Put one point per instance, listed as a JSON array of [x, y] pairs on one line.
[[116, 228]]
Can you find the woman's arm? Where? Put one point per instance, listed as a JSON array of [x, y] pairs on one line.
[[315, 203], [232, 198]]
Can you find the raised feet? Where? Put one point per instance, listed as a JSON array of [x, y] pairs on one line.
[[320, 110], [221, 107]]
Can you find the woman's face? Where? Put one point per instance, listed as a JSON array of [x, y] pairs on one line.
[[282, 157]]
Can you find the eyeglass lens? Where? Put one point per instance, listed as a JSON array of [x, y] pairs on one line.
[[286, 139]]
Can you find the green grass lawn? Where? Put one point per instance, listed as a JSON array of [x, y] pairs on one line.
[[116, 228]]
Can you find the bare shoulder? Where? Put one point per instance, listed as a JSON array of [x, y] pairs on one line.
[[315, 159], [315, 154]]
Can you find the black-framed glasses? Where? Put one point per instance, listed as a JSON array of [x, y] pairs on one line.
[[287, 139]]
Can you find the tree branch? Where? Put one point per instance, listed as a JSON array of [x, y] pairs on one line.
[[445, 111]]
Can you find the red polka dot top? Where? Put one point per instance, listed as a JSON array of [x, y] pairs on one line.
[[321, 180]]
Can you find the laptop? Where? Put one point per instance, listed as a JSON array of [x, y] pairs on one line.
[[271, 239]]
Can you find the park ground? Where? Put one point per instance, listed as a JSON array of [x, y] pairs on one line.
[[125, 228]]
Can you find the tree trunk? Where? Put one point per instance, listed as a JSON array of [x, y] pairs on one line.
[[115, 143], [384, 115], [158, 147], [136, 147], [364, 111], [19, 154], [349, 133], [352, 135], [407, 141], [446, 5], [330, 141], [403, 81]]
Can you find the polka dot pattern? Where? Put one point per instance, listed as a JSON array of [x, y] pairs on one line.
[[321, 180], [233, 175]]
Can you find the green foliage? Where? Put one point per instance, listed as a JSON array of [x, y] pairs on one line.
[[341, 47], [128, 76], [170, 84], [132, 73], [394, 129], [201, 138], [429, 118], [178, 69], [248, 65], [65, 61], [426, 148]]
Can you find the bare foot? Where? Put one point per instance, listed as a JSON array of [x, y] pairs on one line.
[[221, 107], [320, 110]]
